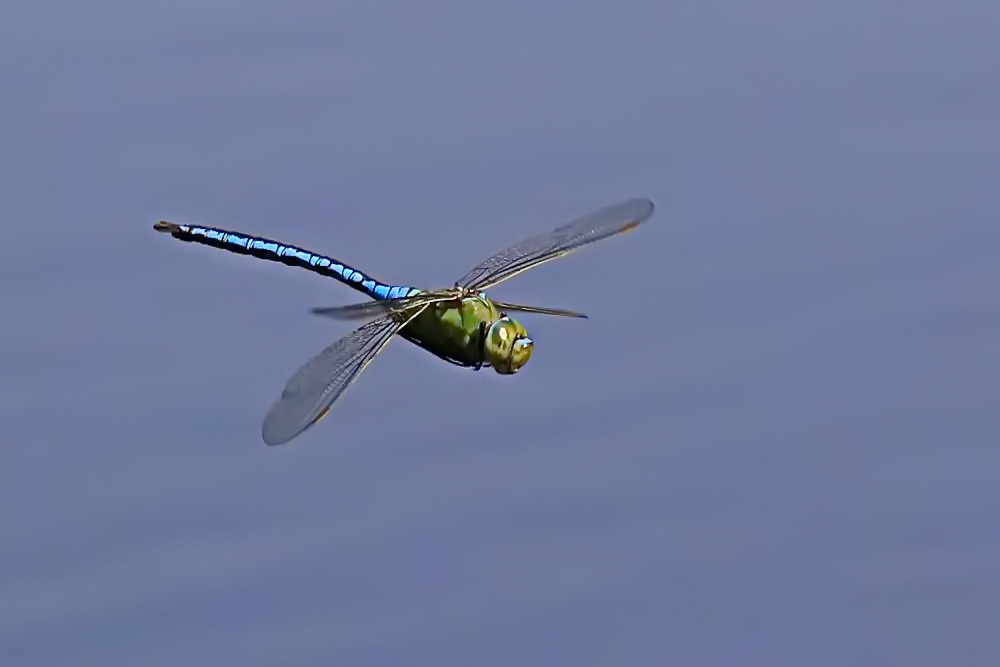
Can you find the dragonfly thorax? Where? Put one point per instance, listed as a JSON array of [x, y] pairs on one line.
[[507, 345]]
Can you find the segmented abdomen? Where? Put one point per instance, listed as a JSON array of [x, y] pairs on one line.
[[276, 251]]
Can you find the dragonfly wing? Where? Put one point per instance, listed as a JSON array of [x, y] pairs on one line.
[[311, 391], [367, 309], [527, 254], [538, 309]]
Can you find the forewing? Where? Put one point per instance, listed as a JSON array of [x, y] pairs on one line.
[[311, 391], [538, 309], [379, 307], [562, 240]]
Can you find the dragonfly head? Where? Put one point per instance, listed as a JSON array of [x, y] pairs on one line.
[[508, 346]]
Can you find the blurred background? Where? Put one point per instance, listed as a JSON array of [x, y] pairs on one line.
[[774, 442]]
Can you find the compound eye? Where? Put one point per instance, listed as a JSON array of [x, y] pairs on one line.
[[507, 345], [520, 352]]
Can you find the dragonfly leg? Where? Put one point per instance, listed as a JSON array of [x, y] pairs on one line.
[[482, 345]]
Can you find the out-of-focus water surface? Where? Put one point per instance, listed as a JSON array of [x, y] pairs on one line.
[[774, 443]]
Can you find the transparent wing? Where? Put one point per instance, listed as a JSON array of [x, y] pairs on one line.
[[311, 391], [376, 308], [537, 309], [562, 240]]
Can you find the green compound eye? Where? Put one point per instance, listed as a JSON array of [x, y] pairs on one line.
[[508, 346]]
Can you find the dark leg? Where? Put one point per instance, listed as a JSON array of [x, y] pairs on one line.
[[482, 345]]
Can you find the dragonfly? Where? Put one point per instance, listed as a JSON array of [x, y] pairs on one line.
[[459, 324]]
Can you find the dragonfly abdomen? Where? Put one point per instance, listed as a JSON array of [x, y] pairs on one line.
[[275, 251]]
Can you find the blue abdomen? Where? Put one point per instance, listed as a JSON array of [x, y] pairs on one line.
[[276, 251]]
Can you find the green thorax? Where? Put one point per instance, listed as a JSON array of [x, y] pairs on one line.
[[471, 331]]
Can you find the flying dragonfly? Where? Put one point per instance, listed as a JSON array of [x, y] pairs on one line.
[[459, 324]]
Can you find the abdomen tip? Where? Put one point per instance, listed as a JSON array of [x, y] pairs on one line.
[[165, 226]]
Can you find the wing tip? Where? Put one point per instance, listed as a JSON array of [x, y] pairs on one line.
[[648, 208], [272, 433], [273, 439]]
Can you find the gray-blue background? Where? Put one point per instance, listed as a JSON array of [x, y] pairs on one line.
[[774, 443]]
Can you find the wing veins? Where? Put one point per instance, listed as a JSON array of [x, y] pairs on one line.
[[539, 310], [377, 307], [319, 382], [562, 240]]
